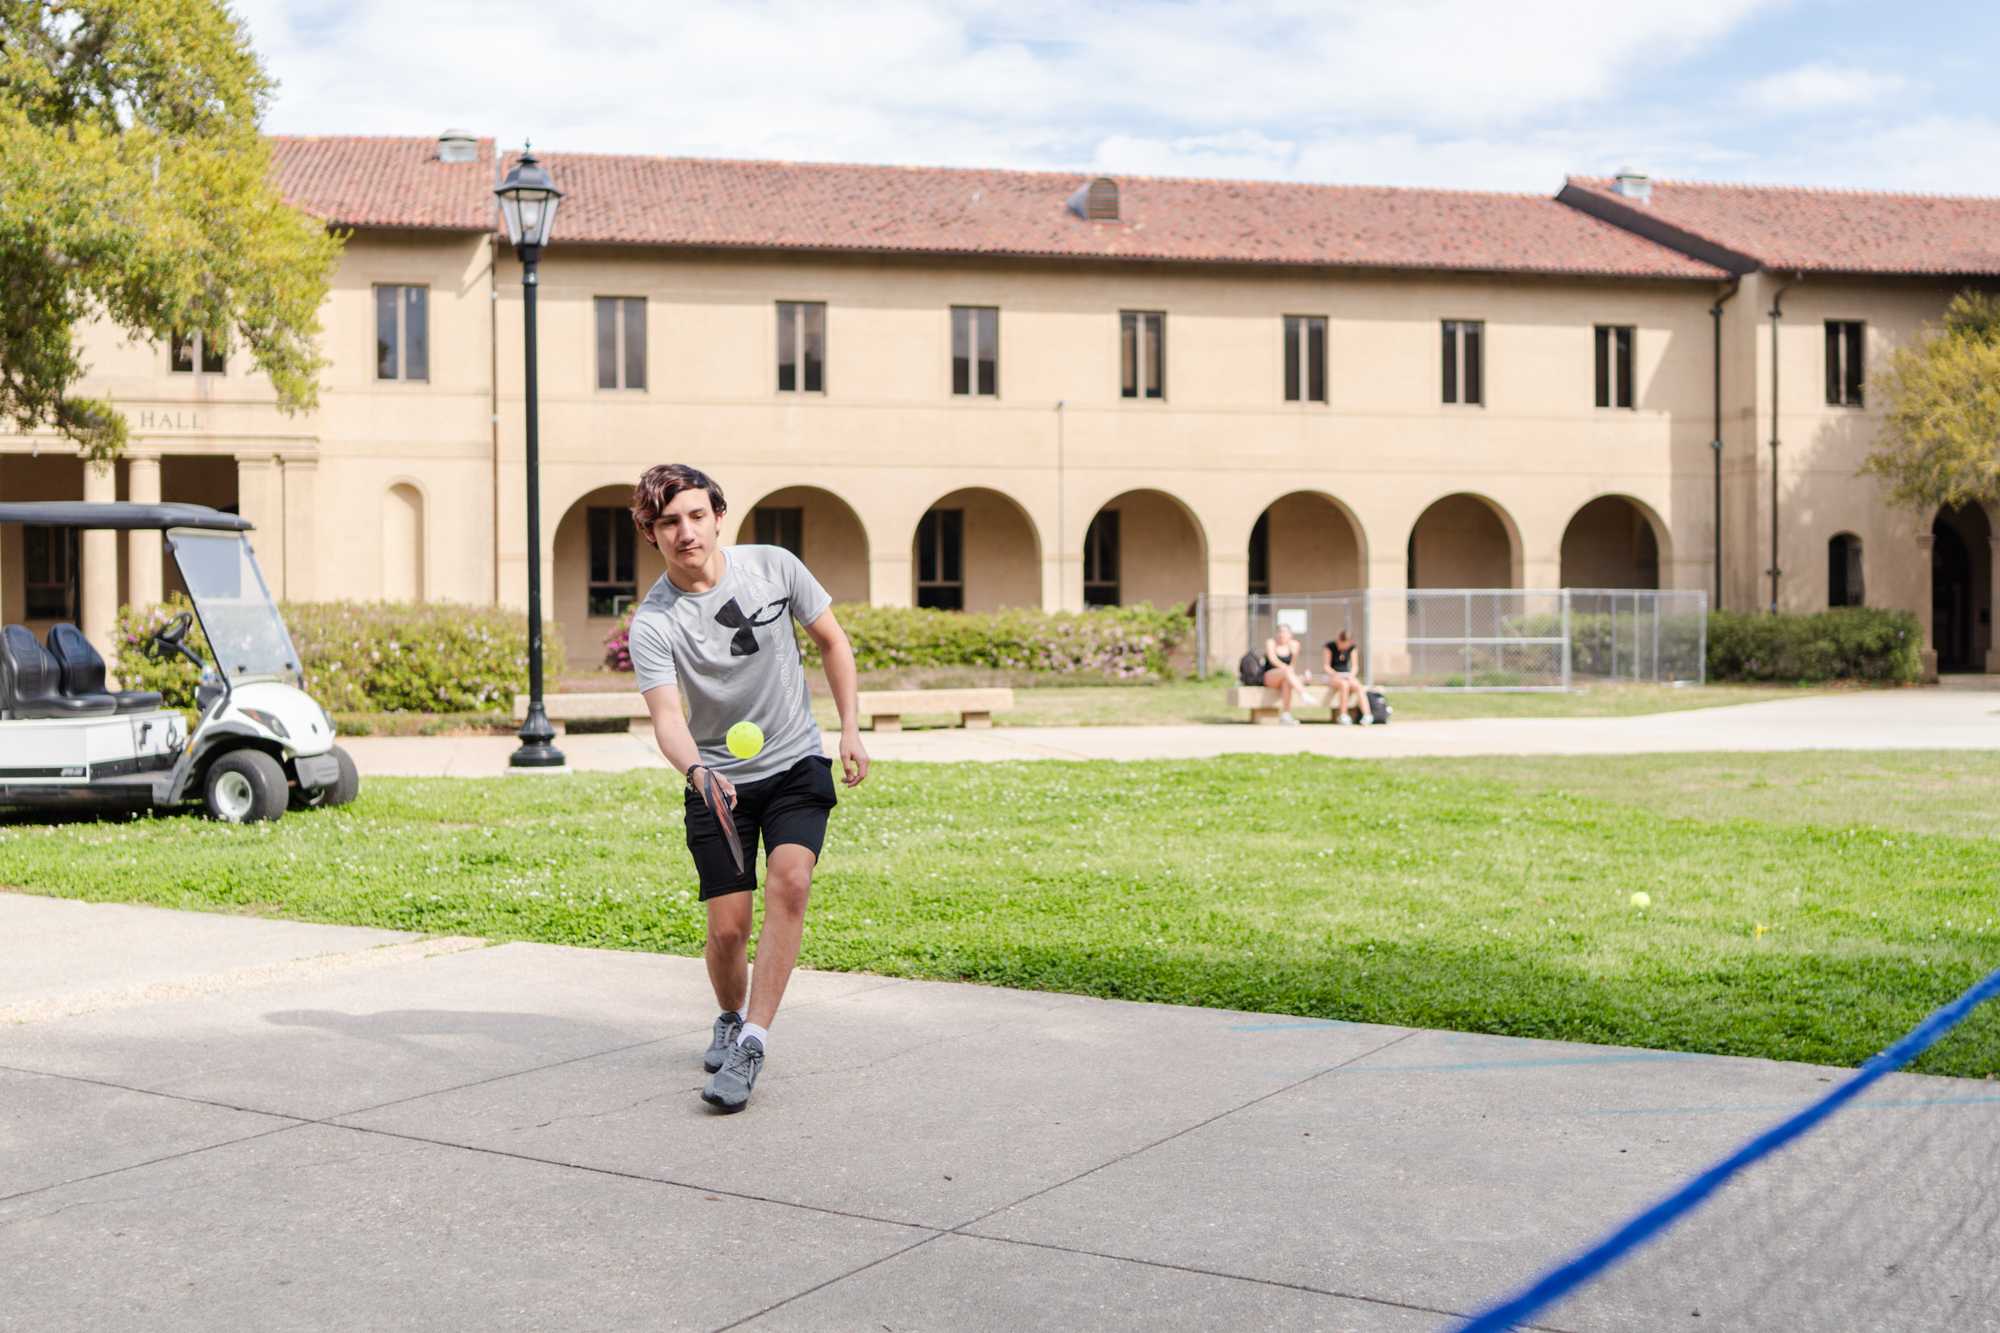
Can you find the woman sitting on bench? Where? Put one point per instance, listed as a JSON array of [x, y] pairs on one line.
[[1281, 655], [1344, 686]]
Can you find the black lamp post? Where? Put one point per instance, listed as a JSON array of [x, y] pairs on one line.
[[528, 198]]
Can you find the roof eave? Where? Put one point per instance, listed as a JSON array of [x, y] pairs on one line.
[[1071, 256]]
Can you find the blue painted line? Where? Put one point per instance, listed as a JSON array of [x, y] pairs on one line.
[[1566, 1277]]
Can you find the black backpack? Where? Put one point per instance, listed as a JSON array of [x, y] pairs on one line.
[[1250, 671]]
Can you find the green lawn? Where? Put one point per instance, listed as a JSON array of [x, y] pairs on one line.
[[1478, 895], [1171, 703], [1192, 701]]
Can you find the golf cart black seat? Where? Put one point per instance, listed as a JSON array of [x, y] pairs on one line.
[[31, 682], [82, 671]]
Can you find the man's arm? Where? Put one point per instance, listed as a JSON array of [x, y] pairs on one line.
[[838, 656], [670, 729]]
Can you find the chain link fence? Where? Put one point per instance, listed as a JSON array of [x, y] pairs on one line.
[[1477, 638]]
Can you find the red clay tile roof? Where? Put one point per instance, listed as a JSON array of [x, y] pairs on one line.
[[1830, 231], [706, 203], [713, 204], [356, 181]]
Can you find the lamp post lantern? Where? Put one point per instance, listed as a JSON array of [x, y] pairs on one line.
[[528, 200]]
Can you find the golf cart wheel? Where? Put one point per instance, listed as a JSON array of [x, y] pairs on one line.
[[244, 787], [341, 791]]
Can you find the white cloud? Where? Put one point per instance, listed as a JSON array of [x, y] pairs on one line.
[[1206, 86], [1933, 154], [1810, 88], [1427, 92]]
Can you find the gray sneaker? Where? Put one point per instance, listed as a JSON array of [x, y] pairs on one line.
[[726, 1027], [729, 1090]]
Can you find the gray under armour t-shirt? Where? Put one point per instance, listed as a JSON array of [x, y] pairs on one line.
[[732, 653]]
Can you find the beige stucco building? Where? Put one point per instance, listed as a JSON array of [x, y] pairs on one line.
[[981, 389]]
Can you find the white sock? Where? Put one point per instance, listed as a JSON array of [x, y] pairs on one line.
[[752, 1031]]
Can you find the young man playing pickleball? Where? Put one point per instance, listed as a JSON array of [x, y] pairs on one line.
[[717, 627]]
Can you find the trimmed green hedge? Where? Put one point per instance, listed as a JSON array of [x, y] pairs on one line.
[[1115, 642], [1852, 643], [380, 657]]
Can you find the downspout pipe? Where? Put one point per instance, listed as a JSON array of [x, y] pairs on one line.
[[1777, 316], [1715, 443]]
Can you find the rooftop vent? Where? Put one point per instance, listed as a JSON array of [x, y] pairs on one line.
[[1633, 185], [1096, 201], [458, 146]]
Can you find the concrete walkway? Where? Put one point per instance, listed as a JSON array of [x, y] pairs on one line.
[[1956, 719], [210, 1123]]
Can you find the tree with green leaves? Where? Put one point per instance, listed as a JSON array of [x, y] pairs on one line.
[[1940, 439], [135, 188]]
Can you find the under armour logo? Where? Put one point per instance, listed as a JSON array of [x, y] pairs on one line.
[[744, 642]]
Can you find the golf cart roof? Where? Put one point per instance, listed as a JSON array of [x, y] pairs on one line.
[[89, 514]]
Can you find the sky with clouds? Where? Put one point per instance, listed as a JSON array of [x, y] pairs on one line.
[[1481, 94]]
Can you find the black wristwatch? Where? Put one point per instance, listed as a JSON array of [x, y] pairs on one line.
[[690, 777]]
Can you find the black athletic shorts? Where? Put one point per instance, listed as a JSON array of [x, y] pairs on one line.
[[788, 807]]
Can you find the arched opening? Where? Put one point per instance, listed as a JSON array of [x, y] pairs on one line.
[[976, 550], [602, 566], [1144, 546], [1464, 541], [402, 544], [1844, 583], [1962, 588], [1612, 542], [819, 528], [1305, 542]]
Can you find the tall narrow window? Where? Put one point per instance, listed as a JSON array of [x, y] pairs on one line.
[[50, 573], [1100, 560], [1305, 358], [1463, 361], [801, 347], [1843, 571], [1614, 365], [975, 351], [781, 527], [1843, 362], [621, 342], [614, 546], [941, 560], [1143, 353], [1260, 555], [402, 333], [197, 349]]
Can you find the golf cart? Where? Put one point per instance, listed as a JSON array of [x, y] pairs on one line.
[[259, 742]]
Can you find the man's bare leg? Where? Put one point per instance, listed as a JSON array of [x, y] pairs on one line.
[[788, 873], [728, 964]]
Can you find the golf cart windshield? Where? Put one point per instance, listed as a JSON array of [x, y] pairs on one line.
[[244, 630]]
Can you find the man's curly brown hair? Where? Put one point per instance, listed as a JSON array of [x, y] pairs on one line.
[[662, 482]]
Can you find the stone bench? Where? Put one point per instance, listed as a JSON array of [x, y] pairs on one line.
[[1262, 700], [885, 709], [594, 706]]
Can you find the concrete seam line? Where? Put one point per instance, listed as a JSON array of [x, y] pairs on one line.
[[255, 977], [1215, 1273], [154, 1161], [960, 1229], [616, 1174]]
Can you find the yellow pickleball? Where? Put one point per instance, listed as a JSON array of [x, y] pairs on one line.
[[744, 740]]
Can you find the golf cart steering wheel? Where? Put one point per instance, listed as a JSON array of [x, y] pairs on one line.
[[174, 631]]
